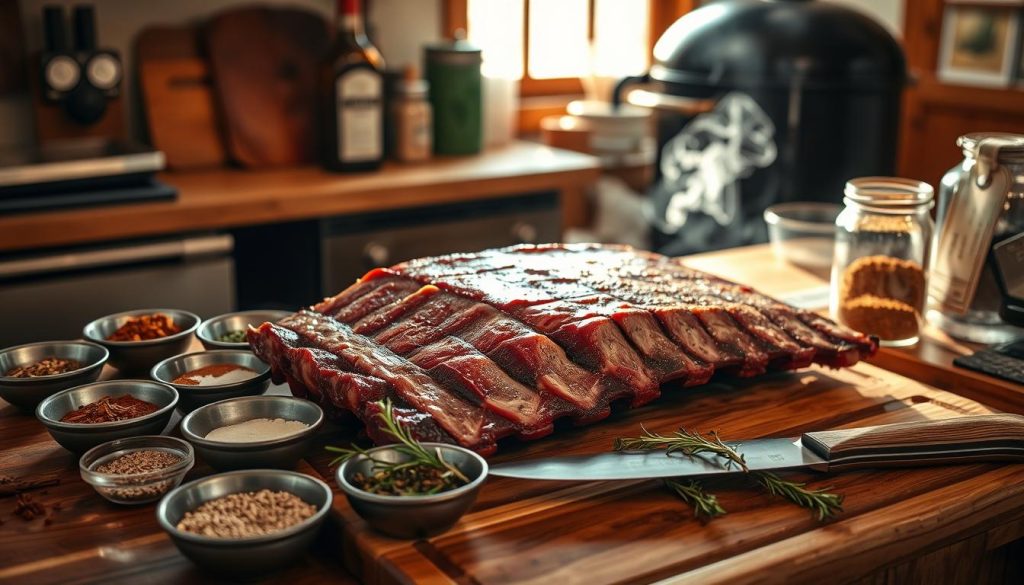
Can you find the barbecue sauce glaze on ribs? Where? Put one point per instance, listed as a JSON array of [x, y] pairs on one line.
[[476, 347]]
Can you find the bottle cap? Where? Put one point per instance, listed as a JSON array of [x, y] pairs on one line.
[[411, 85], [457, 51]]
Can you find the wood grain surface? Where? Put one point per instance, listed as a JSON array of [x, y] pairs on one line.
[[231, 198], [929, 361], [90, 540], [264, 62], [953, 524], [632, 532], [601, 532], [177, 97], [989, 429]]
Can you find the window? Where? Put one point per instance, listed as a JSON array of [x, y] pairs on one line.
[[551, 44]]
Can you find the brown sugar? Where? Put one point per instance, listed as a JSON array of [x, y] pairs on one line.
[[886, 318], [886, 277], [883, 296]]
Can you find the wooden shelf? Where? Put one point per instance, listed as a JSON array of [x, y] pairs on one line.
[[223, 198], [936, 92]]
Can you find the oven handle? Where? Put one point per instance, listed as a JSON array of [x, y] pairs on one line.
[[117, 256]]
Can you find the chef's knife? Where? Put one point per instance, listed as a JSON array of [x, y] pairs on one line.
[[969, 439]]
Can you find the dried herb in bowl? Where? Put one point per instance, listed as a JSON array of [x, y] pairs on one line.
[[424, 473], [236, 336]]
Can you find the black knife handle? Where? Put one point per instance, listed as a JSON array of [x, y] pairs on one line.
[[55, 35], [84, 17], [966, 439]]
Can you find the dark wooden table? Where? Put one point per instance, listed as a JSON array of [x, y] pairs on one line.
[[89, 539], [948, 524]]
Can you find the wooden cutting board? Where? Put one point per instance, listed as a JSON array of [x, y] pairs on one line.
[[264, 63], [177, 97], [628, 532]]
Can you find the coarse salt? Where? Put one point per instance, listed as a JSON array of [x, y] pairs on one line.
[[215, 375], [257, 429]]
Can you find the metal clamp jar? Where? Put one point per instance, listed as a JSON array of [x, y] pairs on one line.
[[883, 238], [978, 319]]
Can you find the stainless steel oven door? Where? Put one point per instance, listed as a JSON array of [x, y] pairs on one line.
[[53, 296]]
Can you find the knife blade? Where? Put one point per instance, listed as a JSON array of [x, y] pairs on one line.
[[931, 442]]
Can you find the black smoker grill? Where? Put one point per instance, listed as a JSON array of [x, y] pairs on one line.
[[762, 102]]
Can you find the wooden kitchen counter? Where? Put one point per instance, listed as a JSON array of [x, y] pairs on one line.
[[225, 198], [929, 361], [962, 524]]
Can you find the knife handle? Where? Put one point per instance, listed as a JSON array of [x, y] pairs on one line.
[[966, 439]]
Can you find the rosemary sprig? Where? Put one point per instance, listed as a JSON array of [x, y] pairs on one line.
[[705, 505], [689, 443], [820, 501], [417, 454]]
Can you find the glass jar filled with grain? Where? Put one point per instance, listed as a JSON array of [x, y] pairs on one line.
[[879, 283]]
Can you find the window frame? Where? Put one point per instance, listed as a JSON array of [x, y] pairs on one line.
[[542, 97]]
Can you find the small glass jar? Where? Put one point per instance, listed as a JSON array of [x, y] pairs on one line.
[[879, 283]]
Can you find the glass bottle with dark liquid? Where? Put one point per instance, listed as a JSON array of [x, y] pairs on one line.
[[351, 89]]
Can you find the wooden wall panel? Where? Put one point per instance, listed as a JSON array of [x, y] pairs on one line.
[[936, 113], [932, 127]]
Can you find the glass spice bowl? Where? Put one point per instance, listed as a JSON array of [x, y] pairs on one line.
[[136, 488]]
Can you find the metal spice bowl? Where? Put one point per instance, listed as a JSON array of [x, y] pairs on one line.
[[244, 557], [413, 516], [215, 327], [194, 396], [28, 392], [136, 488], [139, 356], [80, 437], [282, 453]]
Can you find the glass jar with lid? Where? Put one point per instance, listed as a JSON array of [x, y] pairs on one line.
[[883, 237], [980, 319]]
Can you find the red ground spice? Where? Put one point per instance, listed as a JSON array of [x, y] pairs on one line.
[[109, 409]]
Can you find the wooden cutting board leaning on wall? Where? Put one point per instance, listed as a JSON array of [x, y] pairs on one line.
[[264, 66], [177, 97]]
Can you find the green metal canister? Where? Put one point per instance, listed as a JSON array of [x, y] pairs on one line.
[[453, 70]]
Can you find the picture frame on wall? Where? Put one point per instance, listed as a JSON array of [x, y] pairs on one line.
[[979, 44]]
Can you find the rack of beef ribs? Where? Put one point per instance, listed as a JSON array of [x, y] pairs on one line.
[[472, 348]]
